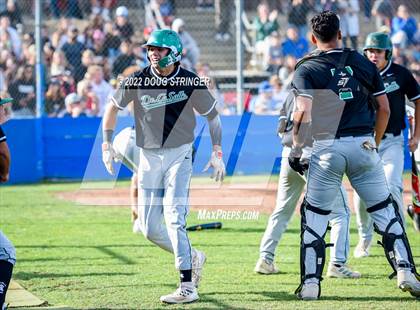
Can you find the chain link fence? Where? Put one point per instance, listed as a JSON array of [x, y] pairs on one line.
[[88, 44]]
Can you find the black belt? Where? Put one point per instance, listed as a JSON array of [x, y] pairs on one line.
[[390, 133]]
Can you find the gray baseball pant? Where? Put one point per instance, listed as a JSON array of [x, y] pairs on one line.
[[164, 178], [391, 150], [7, 250], [330, 160], [290, 188]]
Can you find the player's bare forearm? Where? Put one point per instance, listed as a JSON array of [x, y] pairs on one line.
[[108, 122], [4, 162], [382, 117], [301, 120], [215, 127]]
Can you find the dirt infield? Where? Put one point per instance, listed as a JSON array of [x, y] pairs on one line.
[[239, 197]]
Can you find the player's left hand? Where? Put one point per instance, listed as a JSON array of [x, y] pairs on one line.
[[216, 161], [413, 143], [108, 156]]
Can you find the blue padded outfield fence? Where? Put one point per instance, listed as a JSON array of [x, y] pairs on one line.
[[70, 149]]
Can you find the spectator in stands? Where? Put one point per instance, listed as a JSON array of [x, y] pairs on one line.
[[166, 10], [100, 87], [265, 23], [8, 63], [87, 60], [124, 27], [204, 5], [3, 82], [125, 59], [367, 9], [70, 8], [23, 92], [73, 48], [102, 7], [13, 10], [349, 21], [274, 55], [13, 34], [404, 26], [223, 17], [74, 106], [5, 41], [286, 71], [294, 44], [59, 64], [398, 55], [48, 51], [383, 10], [98, 47], [89, 98], [297, 16], [191, 52], [280, 92], [264, 103], [54, 99], [96, 22], [112, 40]]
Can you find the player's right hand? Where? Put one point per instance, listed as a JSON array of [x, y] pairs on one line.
[[108, 156], [299, 165]]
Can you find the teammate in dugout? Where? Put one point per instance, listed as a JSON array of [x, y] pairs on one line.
[[7, 251], [350, 148], [290, 187], [399, 84], [165, 121]]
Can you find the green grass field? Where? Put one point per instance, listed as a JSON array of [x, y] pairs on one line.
[[88, 258]]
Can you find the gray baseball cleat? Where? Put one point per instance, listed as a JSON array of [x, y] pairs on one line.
[[408, 282], [309, 291], [264, 266]]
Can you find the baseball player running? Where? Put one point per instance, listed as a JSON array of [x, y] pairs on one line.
[[399, 84], [7, 251], [165, 96], [290, 187], [337, 82]]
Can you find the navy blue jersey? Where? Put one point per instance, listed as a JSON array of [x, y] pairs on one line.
[[344, 113], [399, 84], [164, 106], [2, 135]]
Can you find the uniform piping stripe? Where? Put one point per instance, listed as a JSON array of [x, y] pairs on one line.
[[3, 138], [386, 68], [116, 103], [415, 98], [379, 93], [212, 107], [305, 95], [160, 77]]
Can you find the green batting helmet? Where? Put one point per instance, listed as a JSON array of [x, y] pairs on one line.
[[380, 41], [168, 39]]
